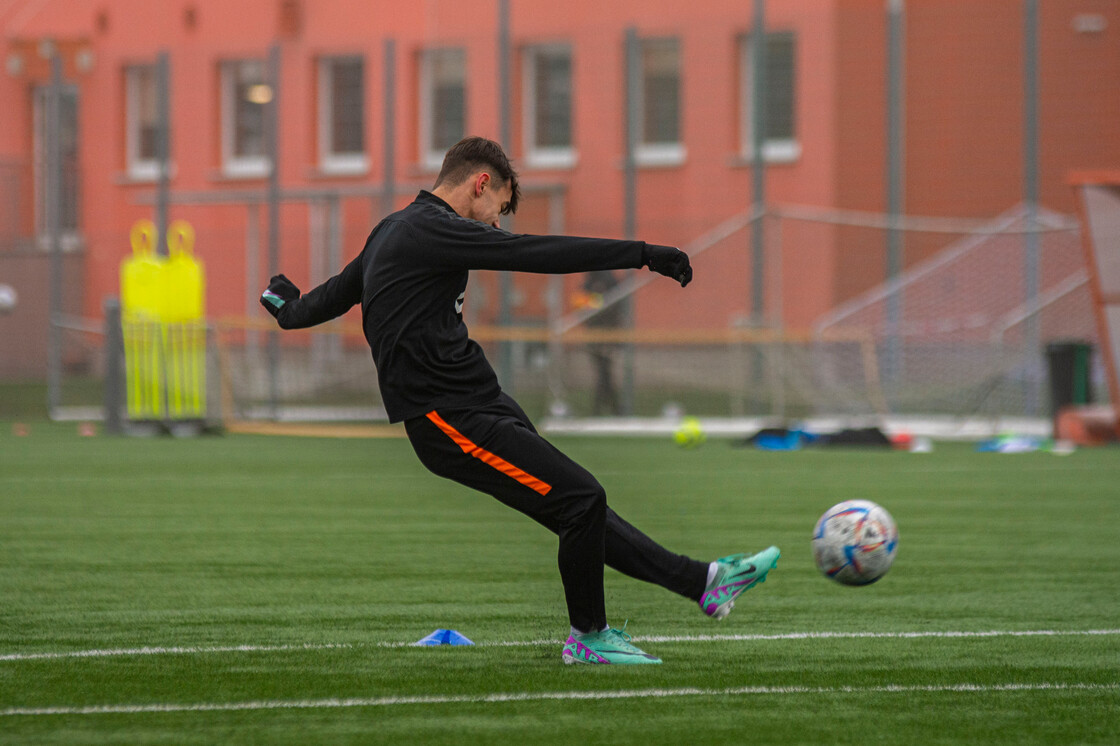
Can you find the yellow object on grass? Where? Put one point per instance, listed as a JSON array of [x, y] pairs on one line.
[[163, 319], [690, 434]]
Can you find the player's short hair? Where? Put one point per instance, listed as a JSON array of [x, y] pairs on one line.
[[473, 153]]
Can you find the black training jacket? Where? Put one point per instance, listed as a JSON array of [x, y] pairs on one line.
[[411, 278]]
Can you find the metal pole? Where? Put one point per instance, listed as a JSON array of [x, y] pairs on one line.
[[253, 284], [272, 144], [334, 263], [759, 87], [389, 183], [163, 148], [505, 94], [1031, 193], [113, 397], [758, 172], [555, 370], [633, 131], [52, 206], [895, 184], [505, 279]]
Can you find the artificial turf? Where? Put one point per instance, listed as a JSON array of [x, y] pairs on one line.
[[264, 590]]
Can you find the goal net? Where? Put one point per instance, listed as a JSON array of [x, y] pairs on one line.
[[964, 332]]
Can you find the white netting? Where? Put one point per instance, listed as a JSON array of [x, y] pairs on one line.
[[958, 333], [962, 333]]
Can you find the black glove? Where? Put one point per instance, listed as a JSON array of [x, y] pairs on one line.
[[668, 261], [280, 291]]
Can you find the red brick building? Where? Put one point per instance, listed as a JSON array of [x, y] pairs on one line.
[[826, 136]]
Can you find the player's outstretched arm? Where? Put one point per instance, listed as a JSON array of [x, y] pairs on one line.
[[669, 261], [470, 244]]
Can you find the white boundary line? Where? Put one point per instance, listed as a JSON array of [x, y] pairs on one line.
[[176, 650], [194, 650], [439, 699]]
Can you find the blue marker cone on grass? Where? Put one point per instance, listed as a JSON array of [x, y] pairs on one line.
[[444, 637]]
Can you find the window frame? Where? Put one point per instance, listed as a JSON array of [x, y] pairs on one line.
[[70, 217], [545, 156], [137, 166], [236, 166], [774, 149], [659, 153], [330, 161], [431, 159]]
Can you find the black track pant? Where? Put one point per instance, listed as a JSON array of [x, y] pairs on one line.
[[494, 448]]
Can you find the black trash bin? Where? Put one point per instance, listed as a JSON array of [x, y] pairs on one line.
[[1069, 363]]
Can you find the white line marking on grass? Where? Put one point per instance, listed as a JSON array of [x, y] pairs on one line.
[[198, 650], [815, 636], [185, 650], [439, 699]]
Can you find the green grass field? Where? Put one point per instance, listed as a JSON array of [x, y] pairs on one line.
[[250, 589]]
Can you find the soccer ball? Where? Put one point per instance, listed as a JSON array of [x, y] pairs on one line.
[[854, 542]]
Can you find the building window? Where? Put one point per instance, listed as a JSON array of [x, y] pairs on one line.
[[66, 195], [659, 104], [142, 122], [245, 93], [342, 128], [780, 142], [547, 77], [443, 103]]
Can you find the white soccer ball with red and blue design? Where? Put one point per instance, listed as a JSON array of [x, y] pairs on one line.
[[855, 542]]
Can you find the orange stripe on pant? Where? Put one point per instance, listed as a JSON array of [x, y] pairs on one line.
[[488, 458]]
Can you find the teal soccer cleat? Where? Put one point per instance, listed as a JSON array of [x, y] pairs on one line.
[[736, 574], [608, 646]]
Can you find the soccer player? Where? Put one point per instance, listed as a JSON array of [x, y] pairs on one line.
[[411, 280]]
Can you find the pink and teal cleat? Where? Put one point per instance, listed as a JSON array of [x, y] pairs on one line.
[[736, 574], [609, 646]]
